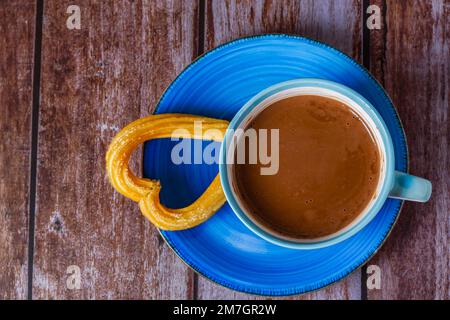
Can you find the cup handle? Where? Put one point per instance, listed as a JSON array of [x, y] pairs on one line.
[[409, 187]]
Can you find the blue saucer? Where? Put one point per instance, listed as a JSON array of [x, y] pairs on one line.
[[223, 249]]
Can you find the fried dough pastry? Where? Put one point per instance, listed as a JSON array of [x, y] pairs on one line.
[[146, 191]]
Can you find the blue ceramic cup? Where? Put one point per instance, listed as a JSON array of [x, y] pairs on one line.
[[392, 184]]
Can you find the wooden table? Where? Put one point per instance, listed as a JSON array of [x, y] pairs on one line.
[[64, 93]]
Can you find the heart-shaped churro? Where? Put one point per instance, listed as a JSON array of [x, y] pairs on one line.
[[146, 191]]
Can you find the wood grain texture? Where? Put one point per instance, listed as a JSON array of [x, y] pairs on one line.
[[337, 23], [94, 81], [411, 58], [16, 68]]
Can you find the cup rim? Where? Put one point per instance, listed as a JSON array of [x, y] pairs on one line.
[[322, 84]]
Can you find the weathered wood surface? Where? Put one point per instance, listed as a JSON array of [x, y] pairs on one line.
[[337, 23], [16, 68], [411, 58], [113, 70], [95, 81]]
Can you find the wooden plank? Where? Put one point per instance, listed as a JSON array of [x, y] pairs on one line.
[[17, 21], [334, 22], [411, 57], [94, 81]]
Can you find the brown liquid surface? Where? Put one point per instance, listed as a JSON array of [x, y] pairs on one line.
[[329, 167]]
